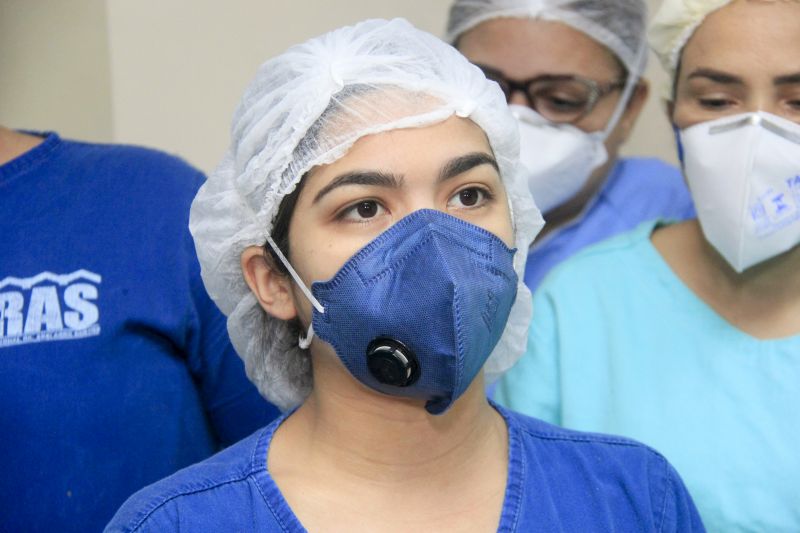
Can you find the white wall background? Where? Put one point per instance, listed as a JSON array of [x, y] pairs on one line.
[[55, 67], [169, 73]]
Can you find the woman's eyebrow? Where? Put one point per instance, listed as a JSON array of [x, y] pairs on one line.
[[361, 177], [787, 79], [463, 163], [716, 76]]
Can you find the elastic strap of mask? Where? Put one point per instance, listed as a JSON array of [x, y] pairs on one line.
[[679, 144], [305, 342], [314, 302], [627, 91]]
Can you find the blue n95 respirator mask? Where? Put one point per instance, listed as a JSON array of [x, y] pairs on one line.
[[417, 311], [744, 175]]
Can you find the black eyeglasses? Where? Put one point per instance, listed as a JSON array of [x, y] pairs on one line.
[[559, 99]]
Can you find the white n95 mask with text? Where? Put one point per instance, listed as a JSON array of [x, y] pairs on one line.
[[744, 176], [557, 158]]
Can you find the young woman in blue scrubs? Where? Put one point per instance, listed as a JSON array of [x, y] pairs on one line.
[[687, 336], [377, 158]]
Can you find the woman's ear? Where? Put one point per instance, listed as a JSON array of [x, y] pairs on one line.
[[272, 288]]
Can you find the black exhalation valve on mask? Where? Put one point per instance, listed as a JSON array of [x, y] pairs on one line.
[[391, 362]]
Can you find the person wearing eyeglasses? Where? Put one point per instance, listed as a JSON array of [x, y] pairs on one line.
[[686, 336], [571, 72]]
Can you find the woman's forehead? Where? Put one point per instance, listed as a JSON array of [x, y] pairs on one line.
[[425, 143], [524, 47], [407, 150], [747, 36]]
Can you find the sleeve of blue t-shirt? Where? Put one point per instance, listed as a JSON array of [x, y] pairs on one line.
[[234, 407]]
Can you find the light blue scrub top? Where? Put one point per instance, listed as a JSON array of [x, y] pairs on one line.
[[636, 190], [618, 344]]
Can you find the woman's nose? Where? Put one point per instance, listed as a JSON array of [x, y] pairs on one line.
[[519, 98], [419, 201], [766, 104]]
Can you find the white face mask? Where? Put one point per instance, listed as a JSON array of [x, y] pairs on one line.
[[744, 176], [557, 158]]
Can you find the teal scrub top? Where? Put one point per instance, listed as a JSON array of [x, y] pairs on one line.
[[618, 344], [637, 189]]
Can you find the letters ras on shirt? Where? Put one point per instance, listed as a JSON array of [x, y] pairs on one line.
[[49, 307]]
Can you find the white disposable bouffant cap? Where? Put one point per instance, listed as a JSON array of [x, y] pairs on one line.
[[673, 26], [619, 25], [307, 107]]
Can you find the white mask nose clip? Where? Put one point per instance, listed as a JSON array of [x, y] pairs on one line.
[[757, 119]]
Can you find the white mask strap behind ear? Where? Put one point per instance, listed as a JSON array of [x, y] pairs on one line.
[[627, 92], [303, 342]]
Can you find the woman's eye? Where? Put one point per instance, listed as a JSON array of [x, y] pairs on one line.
[[794, 104], [361, 211], [562, 104], [469, 197], [715, 104]]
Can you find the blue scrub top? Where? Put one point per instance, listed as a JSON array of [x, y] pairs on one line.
[[636, 190], [558, 480]]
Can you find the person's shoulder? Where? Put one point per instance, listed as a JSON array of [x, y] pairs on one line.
[[642, 183], [547, 434], [612, 257], [650, 170], [133, 162], [229, 467], [594, 456], [619, 475]]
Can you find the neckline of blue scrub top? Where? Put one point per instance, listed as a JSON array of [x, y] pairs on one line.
[[277, 504], [33, 157], [665, 272]]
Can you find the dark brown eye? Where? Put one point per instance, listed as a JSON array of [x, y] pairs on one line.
[[562, 101], [469, 197], [362, 211], [367, 209]]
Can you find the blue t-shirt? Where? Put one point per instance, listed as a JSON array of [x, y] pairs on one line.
[[636, 190], [558, 480], [115, 366], [620, 344]]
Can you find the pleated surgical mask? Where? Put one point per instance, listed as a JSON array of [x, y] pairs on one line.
[[744, 175]]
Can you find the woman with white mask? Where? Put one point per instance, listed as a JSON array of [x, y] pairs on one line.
[[361, 234], [687, 336], [571, 71]]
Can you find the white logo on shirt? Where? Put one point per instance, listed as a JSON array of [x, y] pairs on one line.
[[49, 307]]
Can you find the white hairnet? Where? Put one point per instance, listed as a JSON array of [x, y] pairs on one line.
[[306, 107], [619, 25], [674, 23]]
